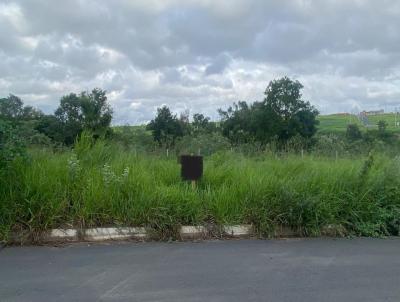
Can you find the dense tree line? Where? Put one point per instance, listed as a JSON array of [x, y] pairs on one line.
[[88, 110], [282, 119], [280, 116]]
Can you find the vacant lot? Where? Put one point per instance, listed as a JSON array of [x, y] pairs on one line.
[[104, 186]]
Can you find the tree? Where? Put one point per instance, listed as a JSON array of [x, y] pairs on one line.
[[353, 133], [184, 122], [281, 115], [52, 127], [12, 109], [284, 105], [201, 124], [165, 127], [236, 122], [382, 125], [22, 120], [86, 111], [96, 111]]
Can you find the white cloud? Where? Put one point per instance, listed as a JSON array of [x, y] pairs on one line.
[[200, 54]]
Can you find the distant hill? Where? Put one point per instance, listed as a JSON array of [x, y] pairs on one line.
[[334, 123]]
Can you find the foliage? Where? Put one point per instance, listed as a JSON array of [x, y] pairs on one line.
[[88, 111], [237, 123], [12, 146], [330, 145], [134, 138], [12, 109], [52, 127], [165, 127], [353, 133], [382, 125], [281, 116], [295, 116], [202, 124]]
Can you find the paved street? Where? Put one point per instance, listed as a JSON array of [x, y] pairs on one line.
[[242, 270]]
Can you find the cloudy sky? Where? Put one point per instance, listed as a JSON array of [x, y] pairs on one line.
[[200, 54]]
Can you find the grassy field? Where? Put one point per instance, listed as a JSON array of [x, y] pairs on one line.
[[103, 186], [331, 123], [337, 123]]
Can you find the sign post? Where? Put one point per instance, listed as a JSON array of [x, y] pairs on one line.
[[191, 168]]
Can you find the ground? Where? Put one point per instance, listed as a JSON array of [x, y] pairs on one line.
[[240, 270]]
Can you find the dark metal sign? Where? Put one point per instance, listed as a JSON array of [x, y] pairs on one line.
[[191, 167]]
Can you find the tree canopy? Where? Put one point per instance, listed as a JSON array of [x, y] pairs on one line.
[[165, 127], [281, 115], [86, 111]]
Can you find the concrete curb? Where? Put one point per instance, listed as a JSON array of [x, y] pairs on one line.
[[238, 230], [97, 234], [124, 233], [193, 232], [62, 235], [188, 232]]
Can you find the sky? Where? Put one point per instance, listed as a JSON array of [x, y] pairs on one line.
[[200, 55]]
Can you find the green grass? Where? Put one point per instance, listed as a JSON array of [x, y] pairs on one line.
[[105, 186], [389, 118], [337, 123]]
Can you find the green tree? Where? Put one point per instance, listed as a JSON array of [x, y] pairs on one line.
[[165, 127], [280, 116], [52, 127], [86, 111], [23, 121], [237, 122], [353, 133], [202, 124], [12, 109], [284, 105]]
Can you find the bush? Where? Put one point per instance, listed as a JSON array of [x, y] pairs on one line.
[[12, 146], [353, 133]]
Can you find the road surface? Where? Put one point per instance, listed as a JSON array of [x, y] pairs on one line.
[[241, 270]]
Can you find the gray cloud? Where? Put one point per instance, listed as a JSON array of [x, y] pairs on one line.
[[200, 54], [220, 63]]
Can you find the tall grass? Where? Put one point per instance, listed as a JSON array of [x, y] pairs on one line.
[[102, 185]]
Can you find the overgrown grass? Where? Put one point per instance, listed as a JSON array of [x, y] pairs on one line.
[[103, 185]]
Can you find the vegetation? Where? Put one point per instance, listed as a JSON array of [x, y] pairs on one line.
[[337, 123], [102, 185], [166, 127], [266, 164], [281, 116]]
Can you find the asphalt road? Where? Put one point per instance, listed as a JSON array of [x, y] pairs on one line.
[[243, 270]]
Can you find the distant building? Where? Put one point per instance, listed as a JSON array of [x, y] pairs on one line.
[[374, 112]]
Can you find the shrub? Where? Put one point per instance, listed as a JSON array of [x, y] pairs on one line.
[[12, 146]]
